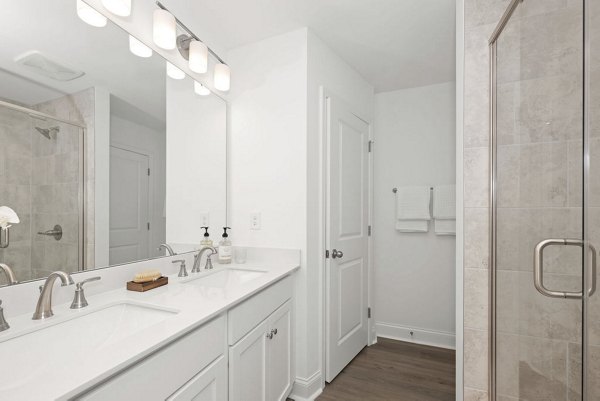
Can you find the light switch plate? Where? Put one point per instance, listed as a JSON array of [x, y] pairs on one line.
[[204, 219], [255, 221]]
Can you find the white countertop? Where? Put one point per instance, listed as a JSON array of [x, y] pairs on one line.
[[60, 374]]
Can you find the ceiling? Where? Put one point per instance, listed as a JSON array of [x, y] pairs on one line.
[[393, 44]]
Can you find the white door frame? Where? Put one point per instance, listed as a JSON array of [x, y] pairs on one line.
[[323, 123]]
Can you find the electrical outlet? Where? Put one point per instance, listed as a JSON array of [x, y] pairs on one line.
[[204, 219], [255, 221]]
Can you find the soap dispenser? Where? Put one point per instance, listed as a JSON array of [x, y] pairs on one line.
[[206, 241], [225, 248]]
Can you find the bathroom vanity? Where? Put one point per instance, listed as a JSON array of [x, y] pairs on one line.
[[222, 334]]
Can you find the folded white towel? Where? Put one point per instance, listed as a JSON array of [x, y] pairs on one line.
[[412, 203], [444, 202], [445, 227], [412, 226]]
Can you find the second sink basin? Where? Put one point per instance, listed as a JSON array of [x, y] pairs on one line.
[[227, 277]]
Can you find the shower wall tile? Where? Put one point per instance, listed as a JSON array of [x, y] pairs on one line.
[[476, 238], [470, 394], [475, 358], [481, 12], [476, 298], [476, 177]]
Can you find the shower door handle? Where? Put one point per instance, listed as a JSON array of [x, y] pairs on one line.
[[538, 268]]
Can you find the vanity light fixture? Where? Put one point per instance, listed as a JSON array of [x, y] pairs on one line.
[[174, 72], [164, 29], [89, 15], [222, 77], [196, 52], [122, 8], [198, 57], [201, 89], [138, 48]]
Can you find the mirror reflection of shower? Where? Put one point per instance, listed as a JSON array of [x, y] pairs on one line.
[[48, 132]]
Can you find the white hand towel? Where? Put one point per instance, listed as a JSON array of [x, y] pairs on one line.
[[445, 227], [412, 203], [412, 226], [444, 202]]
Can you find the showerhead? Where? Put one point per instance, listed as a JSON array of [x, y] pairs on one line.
[[48, 132]]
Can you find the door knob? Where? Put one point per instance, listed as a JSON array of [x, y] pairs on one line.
[[337, 254]]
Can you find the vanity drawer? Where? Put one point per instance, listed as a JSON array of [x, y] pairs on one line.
[[164, 372], [244, 317]]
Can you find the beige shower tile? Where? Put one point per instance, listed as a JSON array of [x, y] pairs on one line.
[[476, 283], [507, 302], [476, 238], [475, 359], [479, 12], [543, 175], [470, 394], [476, 177], [508, 175]]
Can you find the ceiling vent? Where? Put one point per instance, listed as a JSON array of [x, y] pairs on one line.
[[38, 63]]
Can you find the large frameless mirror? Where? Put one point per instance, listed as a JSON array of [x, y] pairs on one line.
[[107, 151]]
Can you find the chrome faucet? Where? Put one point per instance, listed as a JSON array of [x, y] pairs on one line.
[[196, 268], [168, 248], [10, 275], [44, 304]]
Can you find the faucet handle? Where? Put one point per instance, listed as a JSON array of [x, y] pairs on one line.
[[87, 280], [3, 323], [79, 300], [182, 270], [209, 264]]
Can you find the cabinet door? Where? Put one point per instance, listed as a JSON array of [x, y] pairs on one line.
[[279, 354], [247, 366], [208, 385]]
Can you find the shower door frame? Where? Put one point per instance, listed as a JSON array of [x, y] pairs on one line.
[[82, 240], [492, 358]]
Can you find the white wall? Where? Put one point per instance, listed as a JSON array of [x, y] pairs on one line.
[[196, 164], [274, 163], [135, 130], [414, 273]]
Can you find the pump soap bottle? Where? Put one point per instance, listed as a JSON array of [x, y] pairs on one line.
[[206, 242], [225, 248]]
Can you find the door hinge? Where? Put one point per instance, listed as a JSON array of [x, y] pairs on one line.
[[371, 143], [148, 171], [369, 312], [370, 231], [148, 225], [327, 254]]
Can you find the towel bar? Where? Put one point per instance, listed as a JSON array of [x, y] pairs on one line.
[[395, 190]]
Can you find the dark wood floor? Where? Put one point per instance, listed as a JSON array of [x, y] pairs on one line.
[[395, 370]]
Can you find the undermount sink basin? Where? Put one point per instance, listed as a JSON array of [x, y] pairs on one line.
[[76, 336], [224, 278]]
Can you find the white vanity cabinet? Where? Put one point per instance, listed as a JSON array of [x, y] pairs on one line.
[[260, 362], [193, 367]]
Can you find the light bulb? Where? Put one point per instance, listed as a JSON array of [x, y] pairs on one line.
[[89, 15], [164, 29], [198, 57], [201, 89], [122, 8], [174, 72], [222, 77], [138, 48]]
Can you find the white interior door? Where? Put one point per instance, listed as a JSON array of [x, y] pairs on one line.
[[129, 219], [346, 236]]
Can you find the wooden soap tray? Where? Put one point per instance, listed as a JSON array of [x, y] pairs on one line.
[[141, 287]]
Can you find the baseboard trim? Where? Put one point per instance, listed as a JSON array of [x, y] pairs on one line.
[[420, 336], [307, 389]]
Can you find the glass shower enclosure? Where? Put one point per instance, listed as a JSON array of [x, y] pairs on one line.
[[42, 180], [545, 210]]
